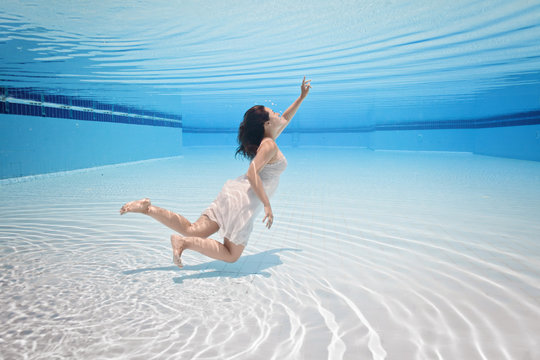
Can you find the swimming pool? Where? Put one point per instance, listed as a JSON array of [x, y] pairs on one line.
[[406, 224]]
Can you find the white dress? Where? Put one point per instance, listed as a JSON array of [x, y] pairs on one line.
[[237, 205]]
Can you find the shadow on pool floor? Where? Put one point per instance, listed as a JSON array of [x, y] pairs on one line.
[[247, 265]]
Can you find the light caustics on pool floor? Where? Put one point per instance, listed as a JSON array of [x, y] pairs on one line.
[[408, 256]]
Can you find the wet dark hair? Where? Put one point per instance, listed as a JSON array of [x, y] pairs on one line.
[[251, 131]]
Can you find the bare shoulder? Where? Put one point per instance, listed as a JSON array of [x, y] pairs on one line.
[[268, 140], [268, 144], [267, 150]]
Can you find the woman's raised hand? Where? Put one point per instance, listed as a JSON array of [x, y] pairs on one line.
[[306, 85]]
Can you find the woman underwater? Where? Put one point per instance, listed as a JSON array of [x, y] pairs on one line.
[[233, 211]]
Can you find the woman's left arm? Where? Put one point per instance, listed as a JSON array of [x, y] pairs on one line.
[[289, 113]]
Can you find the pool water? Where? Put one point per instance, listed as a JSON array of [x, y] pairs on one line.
[[372, 255]]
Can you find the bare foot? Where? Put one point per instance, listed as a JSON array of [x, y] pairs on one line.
[[139, 206], [177, 243]]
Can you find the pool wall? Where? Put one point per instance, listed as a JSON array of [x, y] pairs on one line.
[[36, 145], [33, 145], [518, 142]]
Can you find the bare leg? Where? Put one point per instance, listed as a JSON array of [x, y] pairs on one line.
[[203, 227], [228, 251]]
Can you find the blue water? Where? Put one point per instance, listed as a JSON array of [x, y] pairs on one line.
[[406, 224], [371, 62]]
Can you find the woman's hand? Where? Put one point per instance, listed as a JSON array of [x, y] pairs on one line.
[[268, 214], [306, 85]]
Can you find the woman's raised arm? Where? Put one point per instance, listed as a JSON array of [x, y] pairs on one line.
[[289, 113]]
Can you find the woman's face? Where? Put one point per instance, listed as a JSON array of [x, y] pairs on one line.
[[274, 120]]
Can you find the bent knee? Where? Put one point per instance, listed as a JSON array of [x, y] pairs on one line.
[[235, 251], [233, 258]]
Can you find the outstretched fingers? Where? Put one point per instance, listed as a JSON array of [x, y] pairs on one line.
[[306, 85]]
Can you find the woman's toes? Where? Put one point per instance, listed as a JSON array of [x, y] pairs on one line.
[[140, 206], [178, 261]]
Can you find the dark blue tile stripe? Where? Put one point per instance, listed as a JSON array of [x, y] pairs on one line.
[[514, 119], [38, 110]]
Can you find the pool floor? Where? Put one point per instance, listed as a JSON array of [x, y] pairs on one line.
[[372, 255]]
